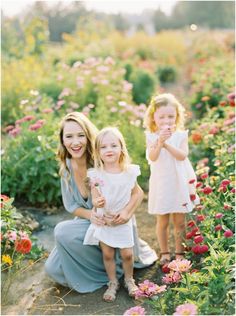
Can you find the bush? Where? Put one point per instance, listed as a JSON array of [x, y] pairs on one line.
[[143, 86], [166, 74]]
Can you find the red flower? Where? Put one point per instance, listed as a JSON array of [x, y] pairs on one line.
[[191, 181], [207, 190], [192, 197], [199, 185], [222, 188], [218, 227], [232, 190], [189, 235], [219, 215], [196, 249], [222, 103], [203, 248], [196, 138], [204, 176], [225, 182], [23, 245], [194, 231], [227, 206], [191, 224], [198, 239], [228, 233], [200, 218], [165, 268]]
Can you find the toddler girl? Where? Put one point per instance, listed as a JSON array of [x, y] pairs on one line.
[[172, 179], [112, 181]]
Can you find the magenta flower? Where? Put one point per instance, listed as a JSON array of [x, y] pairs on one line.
[[186, 309], [228, 233], [191, 181], [225, 182], [219, 215], [137, 310], [218, 227], [148, 289], [198, 239], [180, 265], [207, 190], [96, 182]]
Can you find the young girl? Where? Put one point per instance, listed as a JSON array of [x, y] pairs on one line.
[[112, 181], [172, 181]]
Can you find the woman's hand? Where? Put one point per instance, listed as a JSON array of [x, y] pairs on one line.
[[99, 201], [96, 219]]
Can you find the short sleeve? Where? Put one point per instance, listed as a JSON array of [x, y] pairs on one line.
[[133, 172], [150, 137], [69, 201], [183, 135]]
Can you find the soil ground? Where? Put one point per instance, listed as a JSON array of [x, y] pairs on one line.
[[33, 293]]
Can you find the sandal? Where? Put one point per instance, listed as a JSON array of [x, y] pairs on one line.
[[180, 255], [164, 261], [131, 286], [110, 294]]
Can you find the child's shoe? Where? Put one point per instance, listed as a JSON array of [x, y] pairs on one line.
[[110, 294], [131, 286]]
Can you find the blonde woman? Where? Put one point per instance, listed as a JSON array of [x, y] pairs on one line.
[[113, 180], [71, 263], [172, 180]]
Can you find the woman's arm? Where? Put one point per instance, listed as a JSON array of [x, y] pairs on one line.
[[179, 153], [128, 211], [90, 215]]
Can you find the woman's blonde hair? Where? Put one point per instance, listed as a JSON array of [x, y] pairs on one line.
[[124, 156], [157, 101], [90, 132]]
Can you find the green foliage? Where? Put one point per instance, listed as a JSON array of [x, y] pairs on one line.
[[166, 74], [143, 86]]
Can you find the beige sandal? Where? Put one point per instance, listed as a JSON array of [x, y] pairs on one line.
[[131, 286], [110, 294]]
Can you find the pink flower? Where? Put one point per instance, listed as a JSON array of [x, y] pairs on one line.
[[204, 176], [199, 184], [148, 289], [96, 182], [9, 128], [11, 235], [227, 206], [218, 227], [172, 277], [137, 310], [35, 126], [228, 233], [225, 182], [47, 110], [198, 239], [219, 215], [180, 265], [186, 309], [222, 188], [15, 131]]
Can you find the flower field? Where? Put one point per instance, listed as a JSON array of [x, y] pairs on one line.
[[110, 78]]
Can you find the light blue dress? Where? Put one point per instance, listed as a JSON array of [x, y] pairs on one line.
[[79, 266]]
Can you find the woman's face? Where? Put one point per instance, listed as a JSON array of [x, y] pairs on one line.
[[74, 139]]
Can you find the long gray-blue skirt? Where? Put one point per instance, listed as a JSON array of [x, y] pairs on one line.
[[79, 266]]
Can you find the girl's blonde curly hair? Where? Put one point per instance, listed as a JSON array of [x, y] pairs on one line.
[[157, 101]]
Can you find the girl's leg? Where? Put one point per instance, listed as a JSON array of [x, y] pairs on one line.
[[162, 231], [179, 232], [110, 266], [127, 261], [108, 254]]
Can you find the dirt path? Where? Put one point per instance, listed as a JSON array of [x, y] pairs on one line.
[[33, 293]]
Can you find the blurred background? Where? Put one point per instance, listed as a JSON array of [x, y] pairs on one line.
[[105, 59]]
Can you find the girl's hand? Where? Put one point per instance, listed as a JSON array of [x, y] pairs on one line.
[[96, 219], [120, 218], [99, 201], [164, 134]]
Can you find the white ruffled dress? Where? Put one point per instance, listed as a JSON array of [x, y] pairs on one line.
[[169, 187], [116, 188]]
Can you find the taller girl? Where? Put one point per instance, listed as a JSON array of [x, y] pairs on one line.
[[172, 180]]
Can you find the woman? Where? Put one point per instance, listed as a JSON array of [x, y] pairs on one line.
[[71, 263]]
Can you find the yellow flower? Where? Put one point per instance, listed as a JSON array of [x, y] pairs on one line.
[[7, 259]]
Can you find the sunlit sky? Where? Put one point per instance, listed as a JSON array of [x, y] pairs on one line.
[[10, 8]]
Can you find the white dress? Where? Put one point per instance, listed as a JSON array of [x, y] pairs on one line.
[[116, 188], [169, 187]]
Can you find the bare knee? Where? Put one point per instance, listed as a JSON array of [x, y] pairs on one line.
[[108, 253], [126, 254], [163, 221]]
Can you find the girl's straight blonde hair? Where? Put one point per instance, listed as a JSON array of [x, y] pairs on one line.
[[157, 101], [90, 132], [124, 156]]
